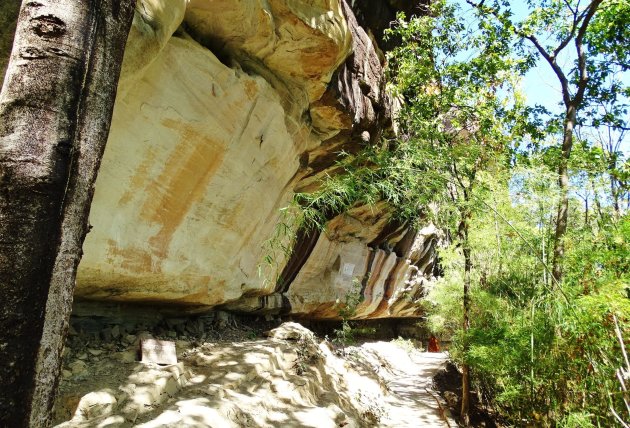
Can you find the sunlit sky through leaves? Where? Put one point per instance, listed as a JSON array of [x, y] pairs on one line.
[[540, 84]]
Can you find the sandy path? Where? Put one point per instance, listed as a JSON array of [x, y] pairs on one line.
[[409, 404], [261, 383]]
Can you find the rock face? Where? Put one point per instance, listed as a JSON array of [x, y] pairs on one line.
[[225, 109], [343, 274], [198, 163]]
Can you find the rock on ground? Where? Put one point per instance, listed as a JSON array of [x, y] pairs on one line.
[[299, 382]]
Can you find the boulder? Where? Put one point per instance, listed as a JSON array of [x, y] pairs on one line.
[[95, 405], [290, 331]]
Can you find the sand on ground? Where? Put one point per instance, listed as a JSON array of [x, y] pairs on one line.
[[258, 383]]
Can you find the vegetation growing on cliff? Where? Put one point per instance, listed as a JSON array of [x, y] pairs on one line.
[[534, 202]]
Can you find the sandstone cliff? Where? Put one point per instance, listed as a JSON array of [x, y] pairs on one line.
[[225, 109]]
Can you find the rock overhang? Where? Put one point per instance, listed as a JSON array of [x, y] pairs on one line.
[[224, 110]]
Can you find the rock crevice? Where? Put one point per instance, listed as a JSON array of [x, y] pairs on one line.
[[202, 156]]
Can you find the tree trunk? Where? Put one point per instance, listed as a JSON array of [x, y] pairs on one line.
[[464, 414], [544, 256], [610, 149], [598, 205], [463, 234], [586, 211], [55, 111], [498, 236], [563, 203], [615, 196], [614, 191]]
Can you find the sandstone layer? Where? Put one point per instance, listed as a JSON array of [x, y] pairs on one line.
[[225, 110]]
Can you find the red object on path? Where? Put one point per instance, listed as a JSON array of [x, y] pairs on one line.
[[434, 346]]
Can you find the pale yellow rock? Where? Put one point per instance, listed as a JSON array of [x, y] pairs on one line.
[[333, 271], [154, 22], [303, 42], [256, 384], [95, 404], [204, 152], [341, 266], [195, 171], [291, 331]]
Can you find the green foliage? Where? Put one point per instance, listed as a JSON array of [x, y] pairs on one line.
[[537, 356], [279, 246], [347, 309], [344, 336], [472, 158], [453, 125], [544, 353]]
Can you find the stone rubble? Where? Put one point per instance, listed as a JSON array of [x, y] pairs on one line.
[[241, 379]]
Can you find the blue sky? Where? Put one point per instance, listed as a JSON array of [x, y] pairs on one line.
[[540, 84]]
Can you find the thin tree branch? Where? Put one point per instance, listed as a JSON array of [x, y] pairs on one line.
[[579, 47], [574, 12], [566, 41], [551, 60], [564, 83]]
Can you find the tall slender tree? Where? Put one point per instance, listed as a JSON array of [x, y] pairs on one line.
[[592, 31], [55, 112], [454, 129]]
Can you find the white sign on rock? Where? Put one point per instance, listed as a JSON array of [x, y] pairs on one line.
[[348, 269], [158, 351]]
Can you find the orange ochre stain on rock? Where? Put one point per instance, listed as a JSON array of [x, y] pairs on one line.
[[183, 182], [325, 310], [210, 294], [139, 178], [132, 259], [251, 89], [318, 53], [318, 60]]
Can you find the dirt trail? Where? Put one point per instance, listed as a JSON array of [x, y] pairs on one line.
[[412, 401], [260, 383]]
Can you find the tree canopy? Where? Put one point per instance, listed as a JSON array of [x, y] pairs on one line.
[[533, 201]]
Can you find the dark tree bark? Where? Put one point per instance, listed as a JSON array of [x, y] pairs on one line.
[[55, 111], [463, 235]]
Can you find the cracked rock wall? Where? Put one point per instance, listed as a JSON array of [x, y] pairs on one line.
[[225, 109]]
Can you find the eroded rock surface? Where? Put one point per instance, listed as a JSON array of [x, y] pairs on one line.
[[197, 165], [225, 109]]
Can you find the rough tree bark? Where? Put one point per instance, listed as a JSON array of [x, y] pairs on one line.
[[55, 111], [463, 236]]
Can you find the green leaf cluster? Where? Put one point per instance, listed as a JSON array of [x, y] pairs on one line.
[[473, 158]]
